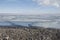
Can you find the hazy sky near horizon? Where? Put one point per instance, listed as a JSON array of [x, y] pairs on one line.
[[30, 6]]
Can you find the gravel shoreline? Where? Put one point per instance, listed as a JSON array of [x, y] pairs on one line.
[[25, 33]]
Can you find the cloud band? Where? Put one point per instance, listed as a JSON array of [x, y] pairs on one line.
[[55, 3]]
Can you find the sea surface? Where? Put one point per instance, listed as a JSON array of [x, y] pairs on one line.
[[47, 21]]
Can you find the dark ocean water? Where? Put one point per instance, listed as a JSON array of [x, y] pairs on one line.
[[10, 23]]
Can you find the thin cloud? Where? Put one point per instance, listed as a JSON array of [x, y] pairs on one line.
[[55, 3]]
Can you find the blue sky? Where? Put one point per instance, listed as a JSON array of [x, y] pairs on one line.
[[30, 6]]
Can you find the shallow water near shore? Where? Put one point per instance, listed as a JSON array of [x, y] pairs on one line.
[[35, 20]]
